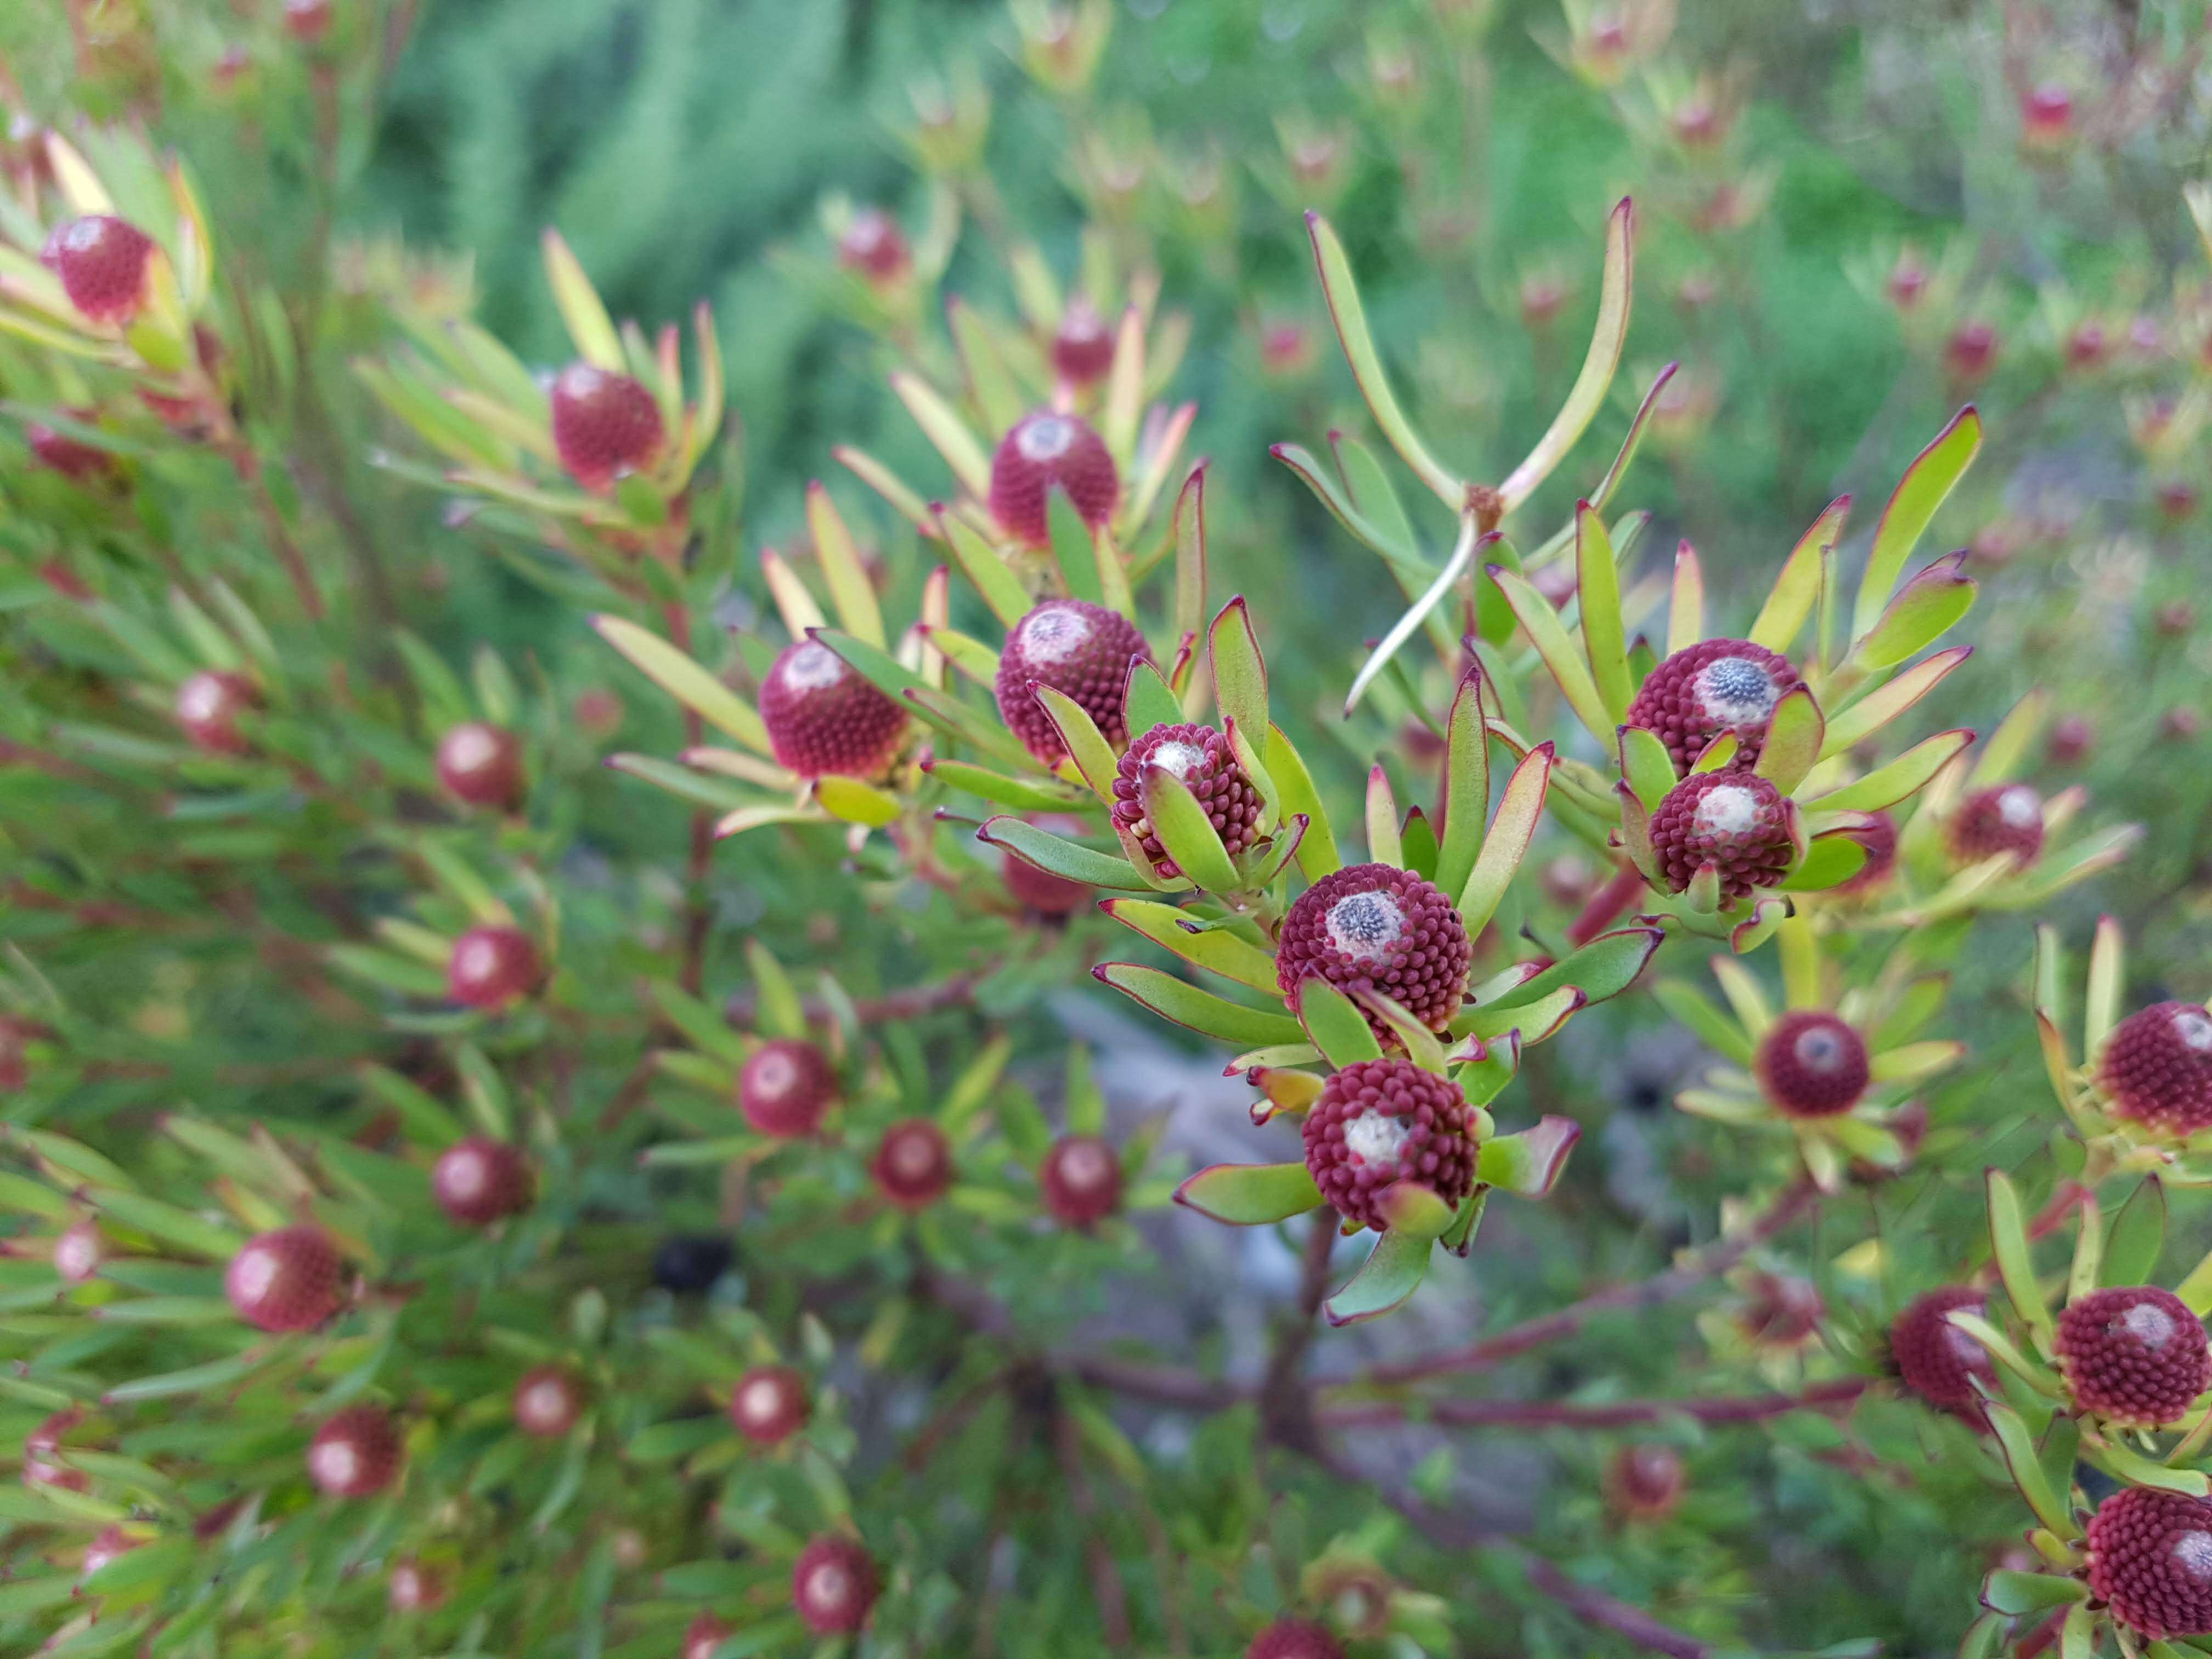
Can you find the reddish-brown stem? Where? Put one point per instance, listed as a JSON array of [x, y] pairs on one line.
[[1284, 1397], [1621, 1413], [1105, 1577], [2052, 1216], [247, 464], [1716, 1258]]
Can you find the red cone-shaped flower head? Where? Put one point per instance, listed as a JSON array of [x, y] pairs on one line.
[[1644, 1482], [786, 1087], [355, 1453], [1731, 820], [481, 764], [1079, 649], [2150, 1561], [824, 719], [1937, 1360], [1879, 837], [309, 20], [1083, 351], [1780, 1310], [291, 1280], [108, 1543], [1376, 927], [875, 248], [1081, 1180], [913, 1164], [1713, 687], [604, 425], [208, 705], [492, 967], [78, 1253], [2157, 1067], [833, 1585], [1812, 1065], [40, 1447], [479, 1180], [769, 1404], [1043, 450], [2008, 818], [703, 1635], [2046, 114], [101, 261], [2134, 1355], [1381, 1122], [548, 1400], [1201, 757], [1970, 352], [67, 456], [1295, 1638], [414, 1587]]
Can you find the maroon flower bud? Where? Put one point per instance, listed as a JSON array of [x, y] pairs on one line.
[[78, 1253], [1713, 687], [101, 261], [2150, 1561], [1937, 1360], [2175, 618], [1081, 1180], [1541, 298], [1295, 1638], [785, 1088], [2157, 1068], [414, 1587], [1201, 758], [290, 1279], [1697, 123], [1286, 348], [833, 1585], [913, 1164], [355, 1453], [1042, 451], [875, 248], [2180, 724], [2046, 115], [770, 1404], [2177, 499], [703, 1635], [107, 1544], [479, 1181], [826, 719], [604, 425], [1041, 891], [1083, 351], [2086, 346], [1376, 928], [1381, 1122], [481, 764], [208, 705], [1733, 821], [2007, 818], [1079, 649], [1781, 1310], [1971, 352], [548, 1400], [490, 967], [2134, 1355], [2069, 741], [40, 1447], [1644, 1482], [67, 456], [1908, 281], [1811, 1064], [309, 20]]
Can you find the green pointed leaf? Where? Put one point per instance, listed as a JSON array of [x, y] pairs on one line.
[[1002, 591], [1646, 766], [1549, 635], [1797, 589], [1148, 702], [686, 680], [1317, 853], [1189, 528], [1616, 293], [1072, 548], [1686, 1005], [1604, 968], [1466, 791], [2019, 1449], [1419, 1041], [1392, 1271], [1332, 496], [1185, 831], [851, 592], [1922, 489], [2017, 1593], [1058, 857], [1086, 744], [1878, 708], [1202, 1011], [1605, 640], [1250, 1195], [1899, 780], [1924, 609], [1334, 1025], [2137, 1236], [2008, 1245], [1685, 606], [1383, 846], [1531, 1162], [1022, 794], [1410, 1210], [1217, 950], [945, 430], [1240, 674], [1367, 484], [582, 310], [1519, 812], [2131, 1465], [1793, 741], [989, 382]]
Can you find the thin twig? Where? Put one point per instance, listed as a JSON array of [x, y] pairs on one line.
[[1621, 1413], [742, 1006]]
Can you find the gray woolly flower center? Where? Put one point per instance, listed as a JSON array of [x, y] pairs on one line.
[[1727, 809], [2193, 1550], [1737, 691], [1821, 1049], [1047, 438], [1362, 924], [2148, 1324], [1050, 635], [2194, 1027], [1376, 1137]]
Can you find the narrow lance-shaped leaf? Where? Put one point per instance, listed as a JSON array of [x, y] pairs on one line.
[[1250, 1195], [850, 590], [1335, 1025], [1797, 589], [1383, 846], [1616, 295], [1202, 1011], [947, 431], [1924, 608], [1605, 643], [1904, 776], [1549, 635], [2138, 1234], [582, 312], [1392, 1271], [1189, 531], [1685, 608], [1342, 293], [1529, 1164], [686, 680], [1507, 840], [1464, 808], [1885, 704], [1216, 949], [2009, 1244], [1794, 732], [1318, 853], [1066, 858], [1185, 831], [980, 562], [1922, 489], [1240, 674], [989, 382]]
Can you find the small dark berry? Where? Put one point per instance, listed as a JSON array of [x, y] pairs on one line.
[[1295, 1638], [689, 1263], [604, 425], [769, 1404], [208, 705], [1381, 1122], [1083, 351], [101, 261], [548, 1400], [833, 1585], [357, 1452], [824, 717], [2007, 818], [481, 764], [1644, 1482], [1376, 928], [2134, 1355], [1081, 1180], [290, 1279], [875, 248], [490, 967], [1937, 1360], [1812, 1065], [1734, 821], [785, 1088], [913, 1164], [2157, 1067], [478, 1181], [2150, 1561], [1710, 688], [1201, 758], [1082, 650], [1042, 451]]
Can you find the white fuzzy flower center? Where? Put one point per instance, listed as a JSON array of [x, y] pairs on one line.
[[813, 667], [470, 747], [1086, 1166], [466, 1175], [476, 959], [1360, 925], [254, 1272], [774, 1074], [1178, 758], [2194, 1027], [1050, 635], [1376, 1137], [2194, 1551], [337, 1463], [203, 698], [2020, 807], [544, 1402], [1047, 438], [2150, 1324], [828, 1586], [1727, 810], [1737, 691], [913, 1157], [76, 1254], [1820, 1051], [761, 1402]]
